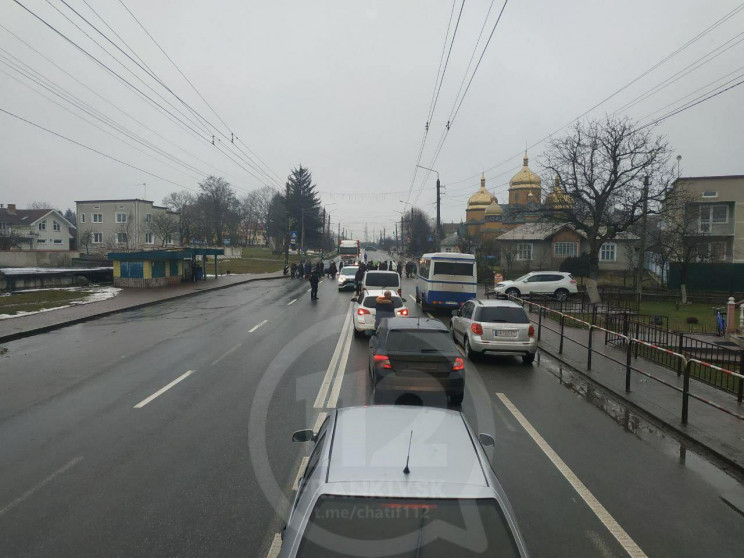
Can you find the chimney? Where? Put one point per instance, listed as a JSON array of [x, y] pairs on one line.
[[11, 209]]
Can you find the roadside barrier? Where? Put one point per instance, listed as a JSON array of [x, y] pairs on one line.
[[631, 346]]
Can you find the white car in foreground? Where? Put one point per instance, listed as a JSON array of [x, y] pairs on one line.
[[555, 283], [365, 309]]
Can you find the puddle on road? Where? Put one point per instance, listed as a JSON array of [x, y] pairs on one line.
[[727, 484]]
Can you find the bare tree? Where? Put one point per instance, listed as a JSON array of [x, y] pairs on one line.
[[10, 239], [183, 203], [218, 204], [679, 238], [85, 240], [40, 204], [164, 226], [601, 166], [509, 254], [254, 208], [122, 239]]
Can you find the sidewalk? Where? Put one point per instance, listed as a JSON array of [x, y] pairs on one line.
[[714, 430], [127, 299]]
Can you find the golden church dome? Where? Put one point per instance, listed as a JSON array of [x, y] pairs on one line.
[[558, 198], [525, 178], [494, 208], [482, 198]]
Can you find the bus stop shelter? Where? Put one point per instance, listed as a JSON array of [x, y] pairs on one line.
[[160, 268]]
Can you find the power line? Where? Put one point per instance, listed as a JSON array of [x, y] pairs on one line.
[[446, 62], [94, 150]]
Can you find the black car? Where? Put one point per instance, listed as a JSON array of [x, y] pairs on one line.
[[410, 354]]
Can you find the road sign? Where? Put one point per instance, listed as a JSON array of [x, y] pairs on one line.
[[226, 241], [293, 236], [430, 238]]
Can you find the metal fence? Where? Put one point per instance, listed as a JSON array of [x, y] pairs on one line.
[[688, 367]]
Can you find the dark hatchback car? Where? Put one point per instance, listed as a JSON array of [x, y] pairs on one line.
[[416, 355]]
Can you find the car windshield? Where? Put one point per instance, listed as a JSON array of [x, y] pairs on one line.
[[381, 279], [418, 340], [349, 270], [503, 314], [371, 302], [406, 527]]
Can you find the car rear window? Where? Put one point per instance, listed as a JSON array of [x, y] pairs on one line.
[[371, 302], [377, 279], [503, 314], [407, 527], [452, 268], [418, 340]]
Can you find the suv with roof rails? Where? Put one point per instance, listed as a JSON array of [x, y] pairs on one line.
[[494, 327], [399, 481], [558, 284]]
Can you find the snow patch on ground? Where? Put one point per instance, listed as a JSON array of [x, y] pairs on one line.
[[95, 294]]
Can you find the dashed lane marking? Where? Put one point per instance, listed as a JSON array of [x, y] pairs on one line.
[[162, 390], [255, 327], [226, 353], [276, 546], [328, 378], [599, 510], [300, 472], [291, 302], [30, 492]]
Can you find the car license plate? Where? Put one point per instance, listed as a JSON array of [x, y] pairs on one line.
[[505, 333]]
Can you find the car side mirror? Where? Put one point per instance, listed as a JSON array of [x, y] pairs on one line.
[[486, 440], [306, 435]]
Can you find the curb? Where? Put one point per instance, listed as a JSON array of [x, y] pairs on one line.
[[723, 461], [60, 325]]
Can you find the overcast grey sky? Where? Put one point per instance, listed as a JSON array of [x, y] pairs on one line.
[[343, 88]]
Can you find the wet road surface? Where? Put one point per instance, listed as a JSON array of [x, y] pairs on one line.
[[166, 431]]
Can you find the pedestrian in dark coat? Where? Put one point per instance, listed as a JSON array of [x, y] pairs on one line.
[[332, 270], [383, 266], [314, 280], [358, 278], [308, 269], [293, 270], [399, 269]]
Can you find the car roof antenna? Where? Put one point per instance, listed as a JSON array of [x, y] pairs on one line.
[[407, 471]]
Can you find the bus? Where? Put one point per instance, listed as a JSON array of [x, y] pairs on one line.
[[445, 280], [349, 251]]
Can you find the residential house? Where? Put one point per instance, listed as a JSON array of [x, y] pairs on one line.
[[35, 229], [538, 246], [120, 225], [716, 206]]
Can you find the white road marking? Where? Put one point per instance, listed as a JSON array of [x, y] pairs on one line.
[[336, 391], [413, 295], [599, 510], [226, 353], [332, 366], [276, 546], [40, 485], [300, 472], [291, 302], [255, 327], [319, 421], [162, 390]]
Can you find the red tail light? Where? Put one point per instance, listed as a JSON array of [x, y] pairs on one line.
[[362, 312], [383, 360], [459, 364], [572, 281], [531, 331], [404, 312], [476, 328]]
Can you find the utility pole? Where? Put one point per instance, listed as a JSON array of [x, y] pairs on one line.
[[397, 238], [439, 209], [642, 251], [286, 240], [338, 236]]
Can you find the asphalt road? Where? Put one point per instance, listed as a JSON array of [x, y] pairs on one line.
[[91, 464]]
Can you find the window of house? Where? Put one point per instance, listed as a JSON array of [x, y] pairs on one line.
[[55, 225], [42, 225], [41, 240], [148, 217], [565, 249], [710, 194], [57, 241], [3, 226], [97, 217], [608, 252], [121, 217], [97, 238], [82, 217], [524, 251], [149, 239], [121, 238], [711, 214]]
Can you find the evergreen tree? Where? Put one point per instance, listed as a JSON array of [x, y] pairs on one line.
[[304, 204]]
